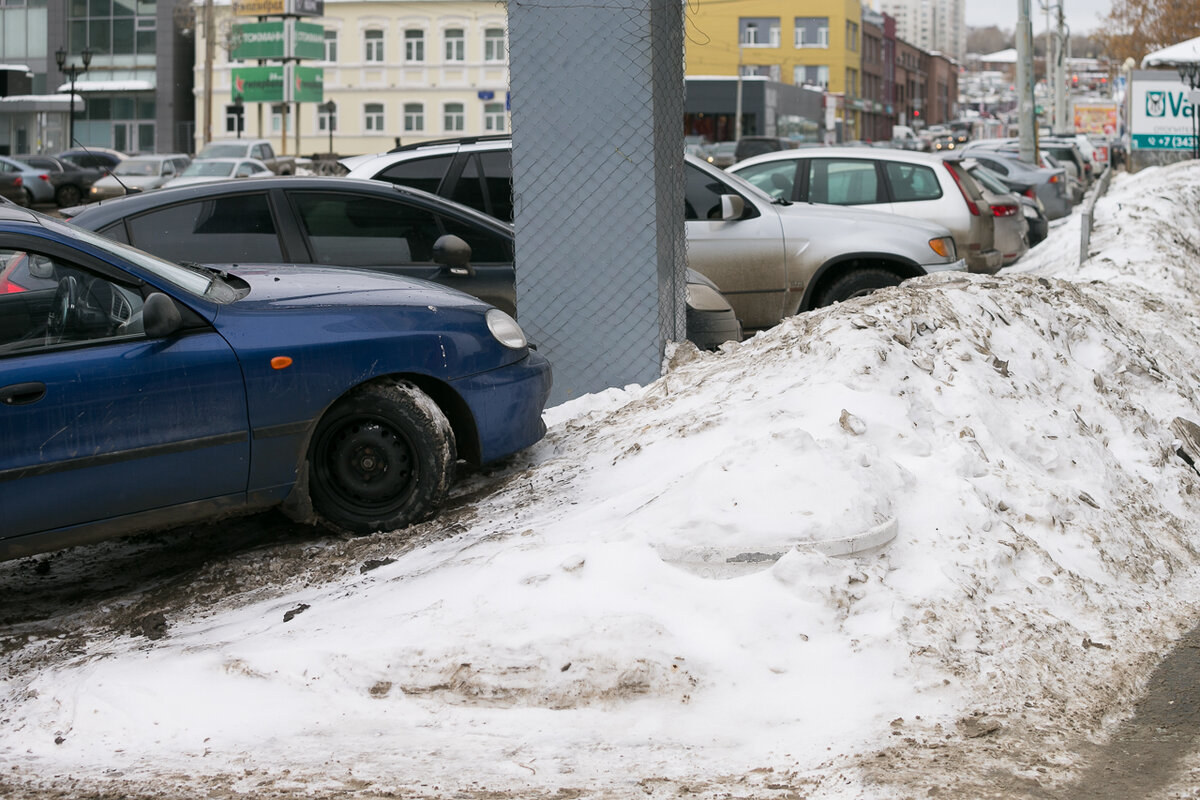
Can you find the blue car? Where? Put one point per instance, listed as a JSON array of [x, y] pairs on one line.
[[137, 393]]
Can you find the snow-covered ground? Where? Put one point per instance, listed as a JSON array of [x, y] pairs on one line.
[[912, 541]]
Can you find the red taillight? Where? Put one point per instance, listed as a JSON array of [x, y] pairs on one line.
[[1003, 210], [45, 177], [958, 181], [1030, 193], [8, 287], [1053, 179], [19, 181]]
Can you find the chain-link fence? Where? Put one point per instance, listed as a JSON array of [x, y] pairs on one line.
[[598, 182]]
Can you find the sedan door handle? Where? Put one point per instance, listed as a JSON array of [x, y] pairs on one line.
[[21, 394]]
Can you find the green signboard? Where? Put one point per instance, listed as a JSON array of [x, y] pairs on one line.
[[254, 40], [278, 40], [258, 84], [287, 83], [307, 84]]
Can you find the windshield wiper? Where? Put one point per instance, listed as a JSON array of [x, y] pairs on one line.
[[204, 268]]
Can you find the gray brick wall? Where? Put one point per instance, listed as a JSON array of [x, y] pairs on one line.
[[597, 116]]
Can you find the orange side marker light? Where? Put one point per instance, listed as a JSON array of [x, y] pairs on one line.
[[281, 362]]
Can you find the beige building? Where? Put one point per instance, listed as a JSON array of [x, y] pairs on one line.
[[936, 26], [396, 72]]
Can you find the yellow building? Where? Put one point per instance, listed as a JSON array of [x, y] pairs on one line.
[[396, 72], [805, 43]]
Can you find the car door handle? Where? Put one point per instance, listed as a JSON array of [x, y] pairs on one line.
[[20, 394]]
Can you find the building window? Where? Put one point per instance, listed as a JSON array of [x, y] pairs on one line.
[[277, 115], [812, 31], [414, 46], [758, 31], [852, 36], [373, 46], [232, 114], [851, 83], [453, 118], [493, 45], [373, 117], [493, 117], [456, 47], [115, 29], [330, 45], [811, 76], [326, 120], [414, 117]]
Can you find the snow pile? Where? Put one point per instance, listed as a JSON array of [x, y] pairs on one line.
[[660, 591]]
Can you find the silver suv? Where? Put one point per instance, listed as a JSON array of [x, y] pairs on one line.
[[771, 258]]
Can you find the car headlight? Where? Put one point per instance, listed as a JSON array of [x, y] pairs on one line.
[[506, 330], [944, 247], [705, 298]]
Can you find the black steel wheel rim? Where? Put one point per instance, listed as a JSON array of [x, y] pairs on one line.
[[366, 464]]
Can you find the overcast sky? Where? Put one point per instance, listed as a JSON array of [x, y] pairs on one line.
[[1082, 16]]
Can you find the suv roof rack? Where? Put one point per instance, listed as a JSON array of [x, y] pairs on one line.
[[493, 137]]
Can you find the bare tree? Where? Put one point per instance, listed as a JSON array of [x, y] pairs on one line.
[[1134, 28]]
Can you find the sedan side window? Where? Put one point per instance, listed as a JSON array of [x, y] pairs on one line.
[[237, 229], [49, 303], [354, 231], [912, 182]]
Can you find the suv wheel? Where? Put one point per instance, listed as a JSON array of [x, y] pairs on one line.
[[856, 284]]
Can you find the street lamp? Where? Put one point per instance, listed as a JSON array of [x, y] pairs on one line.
[[329, 109], [1190, 73], [72, 72]]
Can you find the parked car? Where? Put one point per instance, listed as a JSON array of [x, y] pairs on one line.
[[139, 174], [735, 233], [1035, 215], [219, 169], [1008, 217], [12, 187], [723, 154], [99, 157], [917, 185], [748, 146], [71, 182], [349, 223], [260, 149], [477, 172], [137, 393], [1049, 185], [34, 183]]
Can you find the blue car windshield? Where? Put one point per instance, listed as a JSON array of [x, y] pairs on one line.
[[189, 280]]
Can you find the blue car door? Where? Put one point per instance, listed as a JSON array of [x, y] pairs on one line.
[[100, 420]]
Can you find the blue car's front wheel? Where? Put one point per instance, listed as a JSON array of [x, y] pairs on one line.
[[382, 458]]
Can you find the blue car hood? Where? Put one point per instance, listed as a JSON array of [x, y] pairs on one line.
[[309, 286]]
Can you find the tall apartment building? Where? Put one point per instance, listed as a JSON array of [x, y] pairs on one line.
[[938, 26]]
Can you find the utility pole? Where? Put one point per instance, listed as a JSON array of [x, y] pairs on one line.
[[737, 120], [1027, 120], [1060, 75], [210, 44]]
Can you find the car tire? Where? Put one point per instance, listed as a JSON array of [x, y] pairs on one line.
[[380, 459], [858, 283], [68, 195], [24, 198]]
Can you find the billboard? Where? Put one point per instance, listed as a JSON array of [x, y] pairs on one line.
[[286, 83], [1096, 117], [1160, 112], [288, 38], [279, 8]]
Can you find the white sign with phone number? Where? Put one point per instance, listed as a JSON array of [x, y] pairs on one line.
[[1161, 113]]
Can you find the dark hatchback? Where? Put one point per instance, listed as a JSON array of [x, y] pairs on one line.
[[327, 221], [137, 393]]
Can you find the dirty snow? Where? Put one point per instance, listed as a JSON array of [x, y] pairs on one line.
[[898, 544]]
